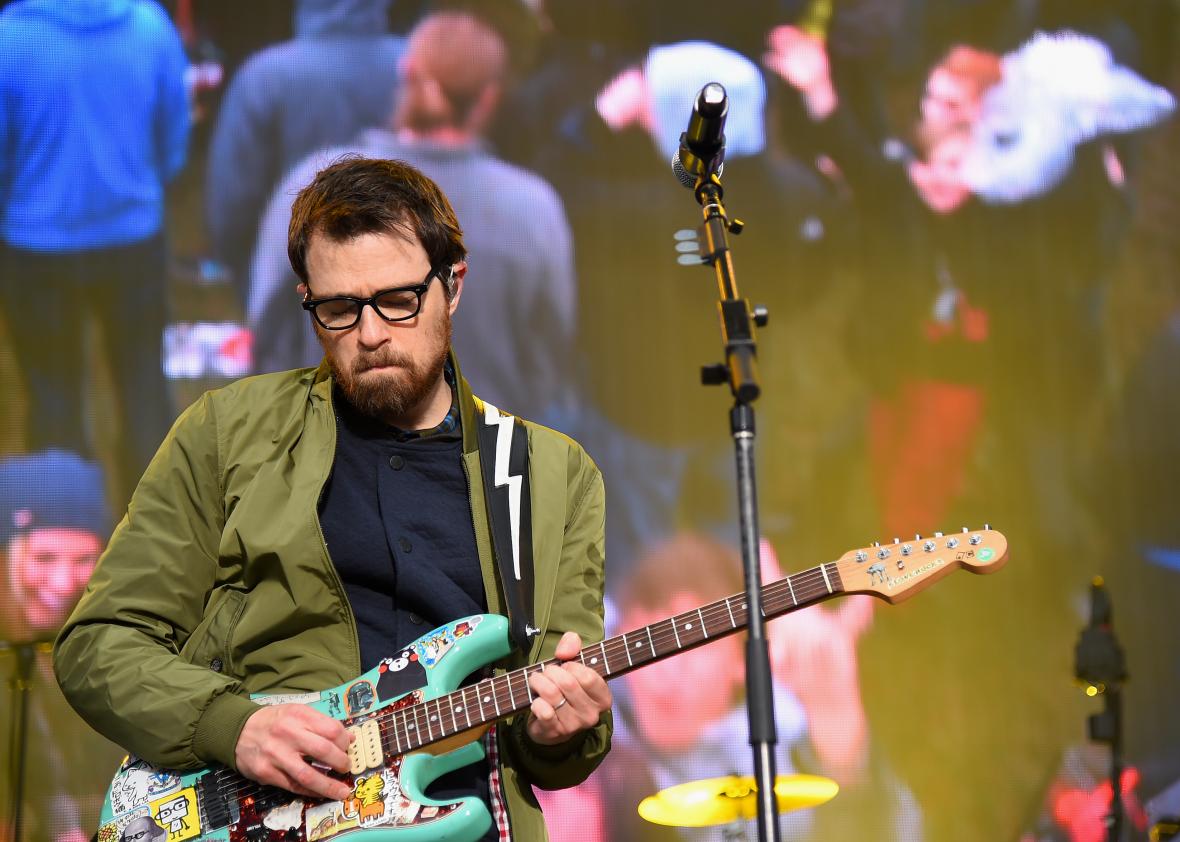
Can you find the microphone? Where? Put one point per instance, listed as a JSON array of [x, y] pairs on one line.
[[702, 145]]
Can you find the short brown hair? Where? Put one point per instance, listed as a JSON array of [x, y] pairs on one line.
[[356, 196], [687, 561]]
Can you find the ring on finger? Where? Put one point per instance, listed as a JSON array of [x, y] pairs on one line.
[[560, 704]]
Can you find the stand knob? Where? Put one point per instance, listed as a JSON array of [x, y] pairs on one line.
[[715, 374], [761, 315]]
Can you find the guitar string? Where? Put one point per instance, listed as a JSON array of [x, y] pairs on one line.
[[612, 648], [805, 582]]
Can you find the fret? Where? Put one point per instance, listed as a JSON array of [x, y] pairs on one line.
[[451, 708], [627, 651], [437, 717], [675, 634], [495, 702], [824, 569], [729, 609], [605, 659], [466, 706], [401, 714], [791, 588], [704, 629], [511, 695], [420, 711], [387, 721], [651, 642]]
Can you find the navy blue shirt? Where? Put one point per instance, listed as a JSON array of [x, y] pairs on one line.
[[396, 516]]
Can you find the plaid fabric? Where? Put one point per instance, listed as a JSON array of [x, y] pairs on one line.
[[495, 788]]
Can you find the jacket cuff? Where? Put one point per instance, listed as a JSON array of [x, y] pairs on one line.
[[563, 765], [216, 737]]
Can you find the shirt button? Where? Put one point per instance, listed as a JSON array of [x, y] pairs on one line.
[[415, 619], [216, 665], [396, 462], [405, 545]]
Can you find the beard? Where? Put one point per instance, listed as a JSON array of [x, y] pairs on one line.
[[393, 392]]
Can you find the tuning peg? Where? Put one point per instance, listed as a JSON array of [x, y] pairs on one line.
[[917, 537], [938, 534], [987, 527], [965, 529], [897, 540], [876, 543]]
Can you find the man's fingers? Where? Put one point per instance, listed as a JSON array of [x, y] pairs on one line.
[[568, 647], [328, 728], [311, 781], [325, 751]]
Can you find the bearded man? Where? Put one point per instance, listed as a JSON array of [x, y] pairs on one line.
[[298, 528]]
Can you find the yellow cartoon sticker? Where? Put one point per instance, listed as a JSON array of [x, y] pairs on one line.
[[177, 815]]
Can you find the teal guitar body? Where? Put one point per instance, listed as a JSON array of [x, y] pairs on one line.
[[148, 804]]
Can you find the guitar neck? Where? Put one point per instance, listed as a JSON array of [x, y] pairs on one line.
[[408, 728]]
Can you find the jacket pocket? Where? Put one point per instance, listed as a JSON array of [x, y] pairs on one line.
[[210, 643]]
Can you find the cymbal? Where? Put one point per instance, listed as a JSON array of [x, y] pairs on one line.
[[723, 800]]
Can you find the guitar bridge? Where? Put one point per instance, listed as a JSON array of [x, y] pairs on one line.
[[365, 752]]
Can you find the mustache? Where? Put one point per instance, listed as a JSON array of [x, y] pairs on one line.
[[386, 356]]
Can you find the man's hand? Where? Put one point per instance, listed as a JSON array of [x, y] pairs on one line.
[[567, 699], [278, 741]]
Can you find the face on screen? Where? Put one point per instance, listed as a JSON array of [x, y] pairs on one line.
[[47, 570], [676, 699]]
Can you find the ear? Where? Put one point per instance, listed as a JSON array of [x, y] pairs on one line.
[[483, 110], [460, 272], [304, 292]]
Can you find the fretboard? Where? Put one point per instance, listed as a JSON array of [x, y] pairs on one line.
[[410, 727]]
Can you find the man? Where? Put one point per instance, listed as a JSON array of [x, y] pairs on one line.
[[53, 524], [520, 314], [219, 582], [289, 100], [94, 125]]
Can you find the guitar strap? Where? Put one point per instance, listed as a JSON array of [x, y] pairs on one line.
[[504, 463]]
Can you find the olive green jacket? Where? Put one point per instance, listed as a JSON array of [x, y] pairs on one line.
[[218, 584]]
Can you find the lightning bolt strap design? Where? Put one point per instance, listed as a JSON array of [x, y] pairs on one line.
[[501, 477]]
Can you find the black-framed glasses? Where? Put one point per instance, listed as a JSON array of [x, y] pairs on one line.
[[398, 304]]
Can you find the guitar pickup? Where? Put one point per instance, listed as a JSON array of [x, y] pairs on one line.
[[365, 752]]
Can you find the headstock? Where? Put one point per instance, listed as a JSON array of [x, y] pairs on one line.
[[898, 570]]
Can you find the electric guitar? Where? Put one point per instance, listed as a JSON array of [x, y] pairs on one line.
[[412, 724]]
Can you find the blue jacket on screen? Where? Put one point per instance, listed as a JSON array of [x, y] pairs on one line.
[[93, 122]]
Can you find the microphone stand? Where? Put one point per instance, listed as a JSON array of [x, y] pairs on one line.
[[740, 371], [21, 683]]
